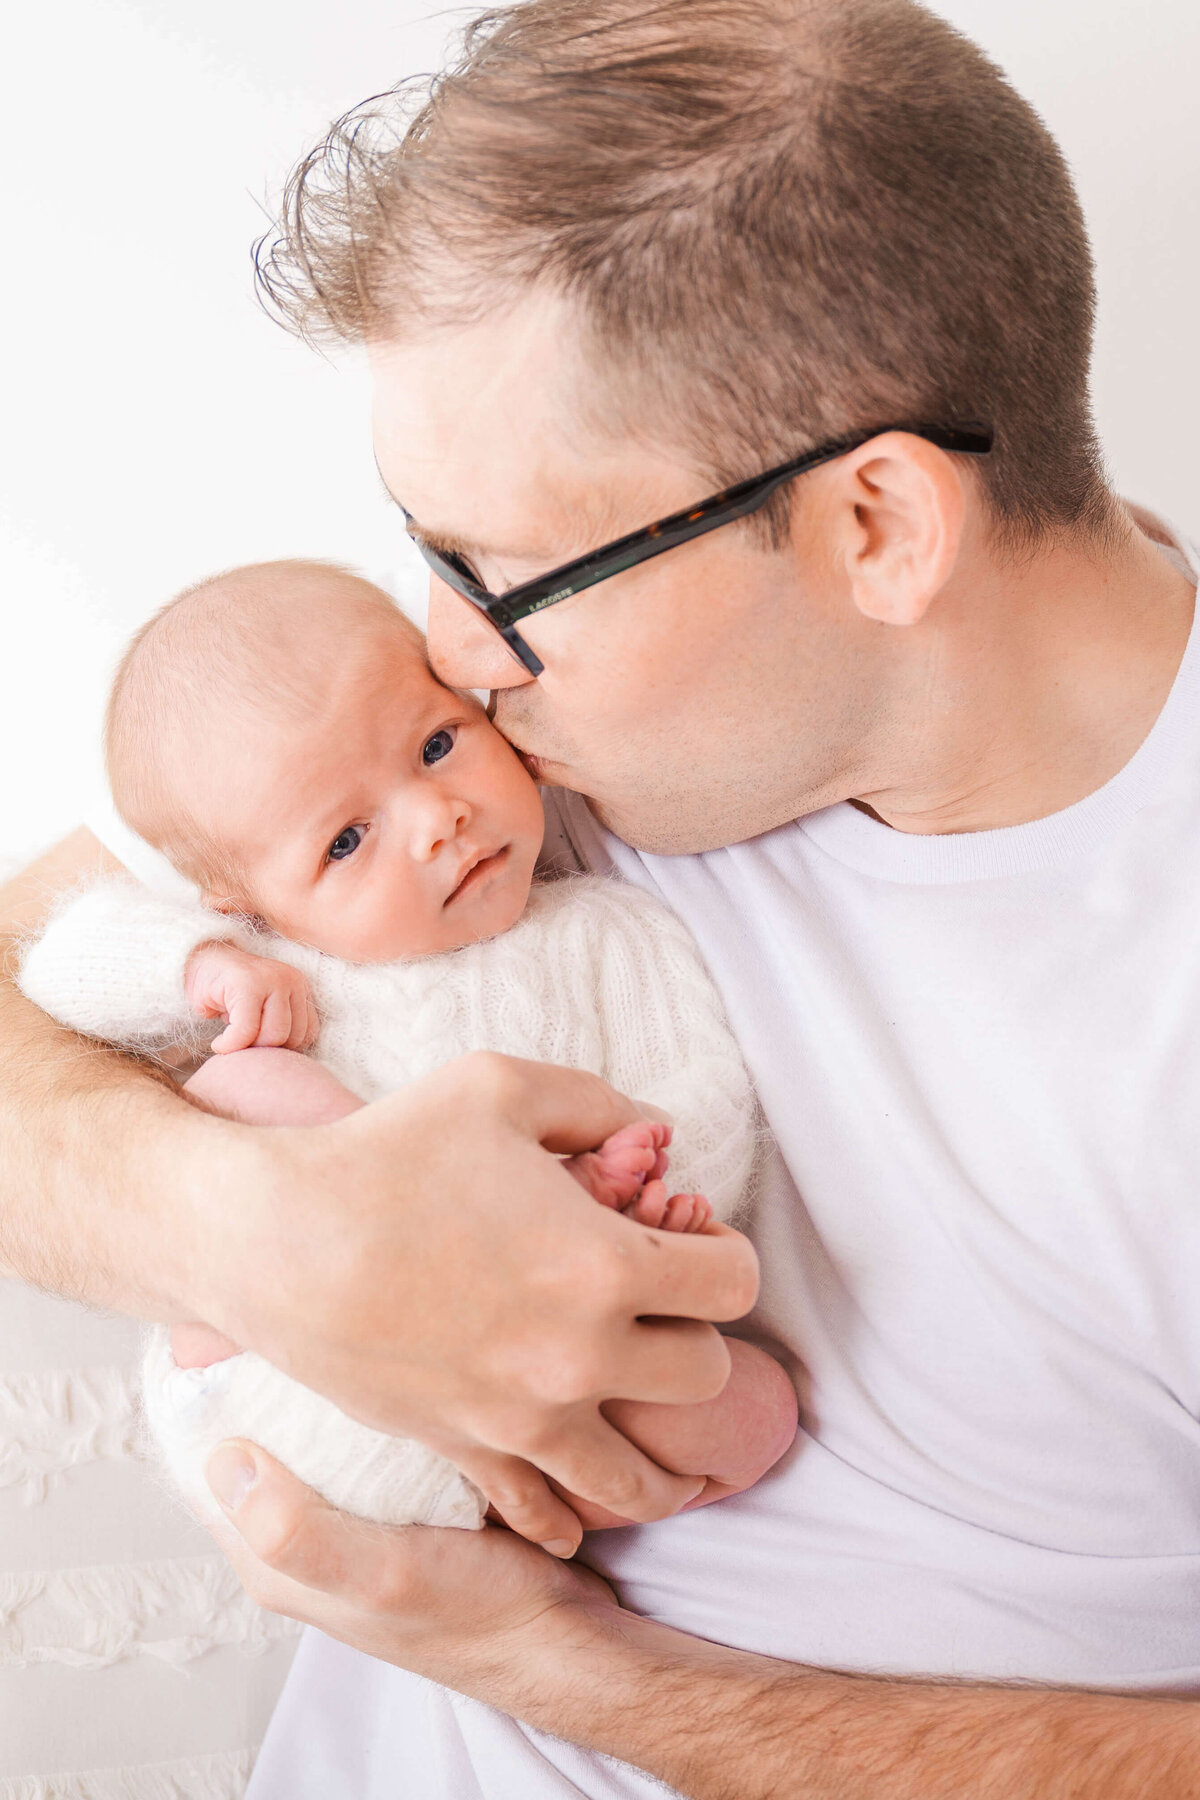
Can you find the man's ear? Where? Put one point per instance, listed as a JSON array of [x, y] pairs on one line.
[[900, 508]]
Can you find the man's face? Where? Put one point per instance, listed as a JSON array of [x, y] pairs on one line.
[[708, 695]]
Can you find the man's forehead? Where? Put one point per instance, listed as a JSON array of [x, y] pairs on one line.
[[488, 436]]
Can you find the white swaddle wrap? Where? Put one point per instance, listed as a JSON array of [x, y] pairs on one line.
[[595, 975], [393, 1480]]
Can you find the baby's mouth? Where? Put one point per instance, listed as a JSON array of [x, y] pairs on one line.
[[477, 872]]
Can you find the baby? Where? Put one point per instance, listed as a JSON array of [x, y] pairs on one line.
[[363, 842]]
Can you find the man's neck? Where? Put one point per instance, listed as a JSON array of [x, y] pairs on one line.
[[1034, 686]]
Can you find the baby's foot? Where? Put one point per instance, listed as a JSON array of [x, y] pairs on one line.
[[626, 1173], [615, 1173]]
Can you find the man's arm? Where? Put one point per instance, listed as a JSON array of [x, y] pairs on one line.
[[492, 1616], [73, 1217]]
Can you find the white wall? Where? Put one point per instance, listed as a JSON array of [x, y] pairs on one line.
[[154, 426]]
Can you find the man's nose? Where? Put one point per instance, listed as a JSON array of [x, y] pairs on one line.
[[465, 651]]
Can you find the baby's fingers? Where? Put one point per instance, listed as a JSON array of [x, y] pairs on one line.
[[686, 1212], [277, 1016], [244, 1012], [305, 1023]]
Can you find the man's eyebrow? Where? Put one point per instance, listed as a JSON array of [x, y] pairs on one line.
[[444, 541], [448, 543]]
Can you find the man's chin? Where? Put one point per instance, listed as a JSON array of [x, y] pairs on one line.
[[651, 829], [652, 833]]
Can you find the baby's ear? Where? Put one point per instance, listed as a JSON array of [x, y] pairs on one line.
[[230, 908]]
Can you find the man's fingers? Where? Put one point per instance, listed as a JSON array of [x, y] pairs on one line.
[[672, 1362], [566, 1110], [524, 1500], [285, 1524], [713, 1275], [599, 1463], [414, 1595]]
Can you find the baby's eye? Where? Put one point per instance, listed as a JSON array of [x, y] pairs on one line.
[[346, 843], [439, 745]]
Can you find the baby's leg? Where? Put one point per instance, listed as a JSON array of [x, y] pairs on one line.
[[733, 1439], [257, 1087], [270, 1087]]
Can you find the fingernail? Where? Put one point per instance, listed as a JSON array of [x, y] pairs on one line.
[[561, 1547], [230, 1474]]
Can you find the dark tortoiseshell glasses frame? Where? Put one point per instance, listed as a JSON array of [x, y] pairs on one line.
[[505, 611]]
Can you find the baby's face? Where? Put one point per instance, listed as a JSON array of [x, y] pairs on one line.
[[390, 820]]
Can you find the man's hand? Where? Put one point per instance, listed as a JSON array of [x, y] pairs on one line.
[[451, 1605], [491, 1616], [265, 1002], [428, 1265]]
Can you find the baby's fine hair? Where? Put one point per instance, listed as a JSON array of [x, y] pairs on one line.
[[265, 636]]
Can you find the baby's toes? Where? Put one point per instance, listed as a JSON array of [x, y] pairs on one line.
[[686, 1212], [649, 1206], [624, 1161]]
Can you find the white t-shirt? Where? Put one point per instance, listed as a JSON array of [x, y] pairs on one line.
[[980, 1244]]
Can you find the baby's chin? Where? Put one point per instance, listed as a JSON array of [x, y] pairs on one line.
[[398, 941]]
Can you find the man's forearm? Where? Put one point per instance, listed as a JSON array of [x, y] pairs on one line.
[[85, 1193], [723, 1725]]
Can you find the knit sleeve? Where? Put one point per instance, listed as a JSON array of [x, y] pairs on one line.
[[666, 1039], [111, 962]]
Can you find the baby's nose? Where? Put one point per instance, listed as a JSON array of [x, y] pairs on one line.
[[439, 823]]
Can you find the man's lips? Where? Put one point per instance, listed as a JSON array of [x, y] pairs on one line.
[[477, 872], [537, 766]]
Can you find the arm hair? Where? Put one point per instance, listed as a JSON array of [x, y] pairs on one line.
[[91, 1140], [721, 1724]]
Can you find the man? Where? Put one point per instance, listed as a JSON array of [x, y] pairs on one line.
[[913, 751]]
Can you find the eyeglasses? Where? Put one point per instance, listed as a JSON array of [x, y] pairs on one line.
[[505, 611]]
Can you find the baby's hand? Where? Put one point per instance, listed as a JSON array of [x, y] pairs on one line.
[[264, 1002]]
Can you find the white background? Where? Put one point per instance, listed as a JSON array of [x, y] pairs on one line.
[[154, 426]]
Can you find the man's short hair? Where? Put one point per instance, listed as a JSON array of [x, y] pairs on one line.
[[782, 220]]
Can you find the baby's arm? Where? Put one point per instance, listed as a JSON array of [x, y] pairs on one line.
[[118, 963]]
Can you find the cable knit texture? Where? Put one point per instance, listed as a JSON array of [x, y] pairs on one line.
[[595, 975]]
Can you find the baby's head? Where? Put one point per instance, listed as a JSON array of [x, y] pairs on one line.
[[278, 734]]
